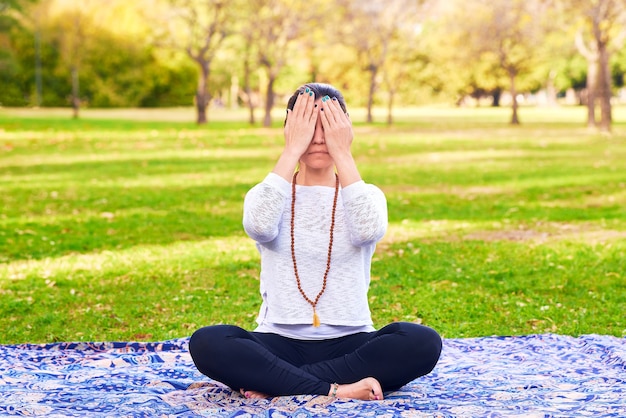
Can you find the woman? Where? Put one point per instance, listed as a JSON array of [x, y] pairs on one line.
[[316, 231]]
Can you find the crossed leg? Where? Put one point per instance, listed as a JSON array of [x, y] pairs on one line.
[[364, 364]]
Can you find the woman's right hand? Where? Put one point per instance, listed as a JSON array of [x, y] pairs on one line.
[[300, 124]]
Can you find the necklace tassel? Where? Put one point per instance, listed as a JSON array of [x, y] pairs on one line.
[[316, 319]]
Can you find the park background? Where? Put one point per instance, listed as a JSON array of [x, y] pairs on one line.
[[130, 132]]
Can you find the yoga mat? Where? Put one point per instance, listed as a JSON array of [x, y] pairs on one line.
[[543, 375]]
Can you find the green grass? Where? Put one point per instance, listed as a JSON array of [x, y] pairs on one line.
[[130, 228]]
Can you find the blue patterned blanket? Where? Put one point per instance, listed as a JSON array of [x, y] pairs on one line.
[[536, 375]]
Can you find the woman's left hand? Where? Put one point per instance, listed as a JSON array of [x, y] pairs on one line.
[[337, 128]]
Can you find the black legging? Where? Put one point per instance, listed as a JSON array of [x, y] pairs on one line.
[[276, 365]]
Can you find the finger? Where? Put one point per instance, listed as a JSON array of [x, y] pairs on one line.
[[304, 103], [331, 105], [314, 114], [305, 106], [299, 109], [310, 111], [300, 104], [334, 110], [290, 120], [324, 115], [327, 110], [338, 112]]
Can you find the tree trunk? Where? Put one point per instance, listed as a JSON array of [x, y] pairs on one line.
[[248, 90], [390, 107], [514, 106], [234, 92], [251, 119], [246, 83], [551, 89], [38, 82], [604, 87], [591, 55], [202, 94], [496, 94], [370, 96], [269, 101], [75, 92], [592, 80]]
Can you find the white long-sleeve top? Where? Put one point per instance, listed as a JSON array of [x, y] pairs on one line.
[[360, 222]]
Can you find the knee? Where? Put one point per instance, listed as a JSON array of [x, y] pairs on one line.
[[208, 343], [198, 342], [424, 344], [432, 345]]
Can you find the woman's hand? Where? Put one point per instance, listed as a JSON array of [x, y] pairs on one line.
[[300, 124], [337, 128]]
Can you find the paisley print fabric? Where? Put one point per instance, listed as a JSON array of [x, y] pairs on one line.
[[531, 376]]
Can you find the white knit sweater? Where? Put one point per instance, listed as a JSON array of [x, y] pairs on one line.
[[360, 222]]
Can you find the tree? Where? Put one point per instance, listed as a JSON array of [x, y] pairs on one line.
[[405, 60], [277, 25], [81, 32], [370, 28], [14, 18], [469, 48], [601, 32], [198, 27], [247, 71], [74, 24], [507, 33], [244, 48], [11, 12], [73, 48], [558, 70]]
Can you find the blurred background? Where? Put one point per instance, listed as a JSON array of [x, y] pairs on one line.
[[252, 54], [131, 130]]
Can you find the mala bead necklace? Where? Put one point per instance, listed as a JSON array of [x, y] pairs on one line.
[[312, 302]]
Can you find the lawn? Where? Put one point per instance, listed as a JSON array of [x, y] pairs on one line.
[[127, 225]]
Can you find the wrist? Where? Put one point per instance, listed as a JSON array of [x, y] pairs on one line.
[[347, 170], [286, 165], [343, 158], [291, 154]]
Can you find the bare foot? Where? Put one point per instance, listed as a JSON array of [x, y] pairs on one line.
[[367, 389], [251, 394]]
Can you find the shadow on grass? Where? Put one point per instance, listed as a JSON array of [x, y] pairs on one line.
[[116, 218]]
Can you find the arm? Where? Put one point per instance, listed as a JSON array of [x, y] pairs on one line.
[[366, 213], [265, 202], [338, 135], [365, 204], [263, 208], [299, 129]]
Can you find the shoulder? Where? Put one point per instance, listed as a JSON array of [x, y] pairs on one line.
[[272, 184], [361, 188]]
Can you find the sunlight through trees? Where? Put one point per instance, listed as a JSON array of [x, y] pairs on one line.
[[383, 53]]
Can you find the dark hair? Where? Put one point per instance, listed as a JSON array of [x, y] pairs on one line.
[[319, 90]]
